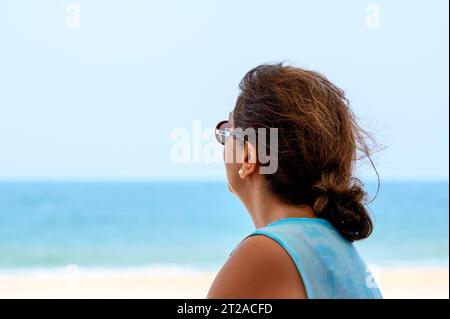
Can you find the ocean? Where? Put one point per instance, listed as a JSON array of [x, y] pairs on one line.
[[188, 225]]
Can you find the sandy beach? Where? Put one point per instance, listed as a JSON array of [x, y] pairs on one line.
[[395, 282]]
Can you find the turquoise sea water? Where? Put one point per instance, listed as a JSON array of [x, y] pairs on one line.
[[188, 224]]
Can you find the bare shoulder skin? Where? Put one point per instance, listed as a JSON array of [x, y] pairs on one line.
[[258, 268]]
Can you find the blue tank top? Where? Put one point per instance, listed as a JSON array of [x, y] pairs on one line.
[[329, 265]]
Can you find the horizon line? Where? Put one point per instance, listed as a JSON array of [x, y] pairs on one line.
[[189, 179]]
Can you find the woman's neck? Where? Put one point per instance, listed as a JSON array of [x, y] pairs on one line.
[[265, 208]]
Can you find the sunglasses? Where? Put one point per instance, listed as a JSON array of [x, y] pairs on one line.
[[223, 131]]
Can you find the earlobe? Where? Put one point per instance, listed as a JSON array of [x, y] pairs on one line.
[[250, 164]]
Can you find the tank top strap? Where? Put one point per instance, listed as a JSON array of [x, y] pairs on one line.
[[329, 265]]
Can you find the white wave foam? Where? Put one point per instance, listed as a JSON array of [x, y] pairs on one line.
[[157, 270]]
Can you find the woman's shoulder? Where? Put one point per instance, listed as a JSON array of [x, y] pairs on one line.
[[258, 268]]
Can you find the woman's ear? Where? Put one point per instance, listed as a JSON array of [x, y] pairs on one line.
[[249, 165]]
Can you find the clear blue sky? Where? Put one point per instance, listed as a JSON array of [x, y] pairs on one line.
[[101, 101]]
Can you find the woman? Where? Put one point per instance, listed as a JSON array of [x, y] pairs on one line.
[[309, 211]]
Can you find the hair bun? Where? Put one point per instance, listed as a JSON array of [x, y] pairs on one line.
[[342, 205]]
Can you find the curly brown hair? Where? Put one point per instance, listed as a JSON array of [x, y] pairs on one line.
[[318, 142]]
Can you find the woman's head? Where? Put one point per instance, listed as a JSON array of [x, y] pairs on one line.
[[318, 143]]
